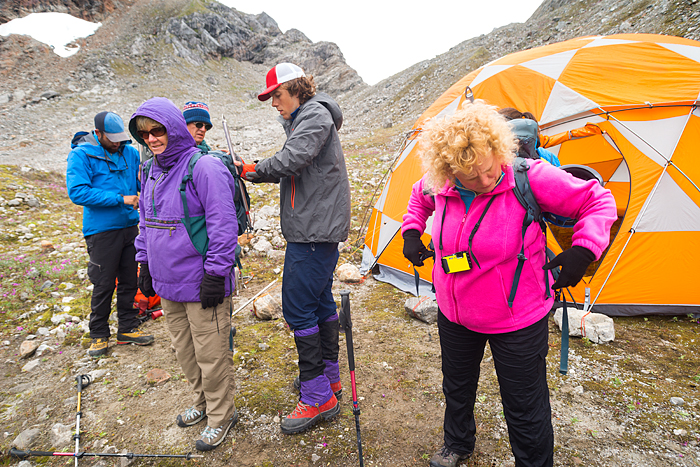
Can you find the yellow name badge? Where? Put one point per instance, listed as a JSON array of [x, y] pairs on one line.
[[456, 263]]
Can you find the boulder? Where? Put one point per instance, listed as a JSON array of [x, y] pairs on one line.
[[423, 308], [598, 328]]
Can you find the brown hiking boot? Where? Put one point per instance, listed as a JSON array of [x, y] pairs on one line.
[[190, 417], [212, 437], [447, 458]]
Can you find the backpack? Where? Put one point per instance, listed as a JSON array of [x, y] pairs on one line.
[[525, 130], [534, 213], [196, 226]]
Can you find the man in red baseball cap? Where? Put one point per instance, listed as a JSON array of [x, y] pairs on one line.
[[282, 73], [315, 217]]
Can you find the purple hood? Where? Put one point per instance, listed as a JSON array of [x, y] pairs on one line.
[[180, 141]]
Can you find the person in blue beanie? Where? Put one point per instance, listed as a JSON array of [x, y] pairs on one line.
[[102, 176], [198, 122]]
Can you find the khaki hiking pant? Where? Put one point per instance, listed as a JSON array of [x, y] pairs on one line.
[[203, 353]]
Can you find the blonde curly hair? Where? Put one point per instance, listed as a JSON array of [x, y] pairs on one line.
[[460, 142]]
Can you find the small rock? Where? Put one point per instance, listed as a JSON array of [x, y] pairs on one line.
[[124, 461], [680, 432], [24, 464], [20, 388], [315, 458], [27, 348], [263, 346], [30, 337], [64, 317], [578, 390], [275, 255], [43, 331], [677, 401], [60, 435], [156, 376], [71, 400], [423, 308], [348, 273], [43, 348], [97, 374], [597, 327], [267, 307], [31, 365], [262, 245], [46, 285], [26, 439], [46, 246]]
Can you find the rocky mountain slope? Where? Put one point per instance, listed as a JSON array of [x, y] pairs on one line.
[[199, 49], [89, 10]]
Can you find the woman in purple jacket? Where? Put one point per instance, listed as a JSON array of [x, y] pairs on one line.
[[195, 288], [477, 233]]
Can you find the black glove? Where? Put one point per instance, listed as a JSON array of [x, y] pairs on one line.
[[574, 263], [145, 281], [413, 248], [213, 290]]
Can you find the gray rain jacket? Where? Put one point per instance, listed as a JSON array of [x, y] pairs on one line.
[[310, 168]]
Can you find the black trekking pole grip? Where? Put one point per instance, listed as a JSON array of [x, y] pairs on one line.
[[17, 454], [83, 381], [346, 324]]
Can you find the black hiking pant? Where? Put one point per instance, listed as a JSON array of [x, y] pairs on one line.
[[519, 358], [112, 257]]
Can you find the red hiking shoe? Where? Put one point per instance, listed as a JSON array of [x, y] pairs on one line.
[[305, 416]]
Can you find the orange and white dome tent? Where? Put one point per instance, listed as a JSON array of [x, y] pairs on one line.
[[626, 105]]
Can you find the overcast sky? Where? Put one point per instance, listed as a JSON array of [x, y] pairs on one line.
[[380, 38]]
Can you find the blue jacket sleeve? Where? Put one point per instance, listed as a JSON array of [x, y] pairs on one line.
[[80, 186]]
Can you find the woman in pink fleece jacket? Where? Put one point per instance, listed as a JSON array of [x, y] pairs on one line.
[[469, 189]]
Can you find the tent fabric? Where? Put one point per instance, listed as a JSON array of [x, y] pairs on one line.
[[625, 105]]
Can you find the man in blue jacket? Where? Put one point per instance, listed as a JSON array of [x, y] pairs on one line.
[[102, 176]]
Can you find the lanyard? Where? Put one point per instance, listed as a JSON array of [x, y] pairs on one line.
[[471, 236]]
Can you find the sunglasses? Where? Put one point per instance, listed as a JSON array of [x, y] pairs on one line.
[[156, 132], [202, 124]]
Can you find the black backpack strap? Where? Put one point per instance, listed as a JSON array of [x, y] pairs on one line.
[[527, 200]]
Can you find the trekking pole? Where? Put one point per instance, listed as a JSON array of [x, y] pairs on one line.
[[241, 186], [346, 326], [83, 382], [16, 453]]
